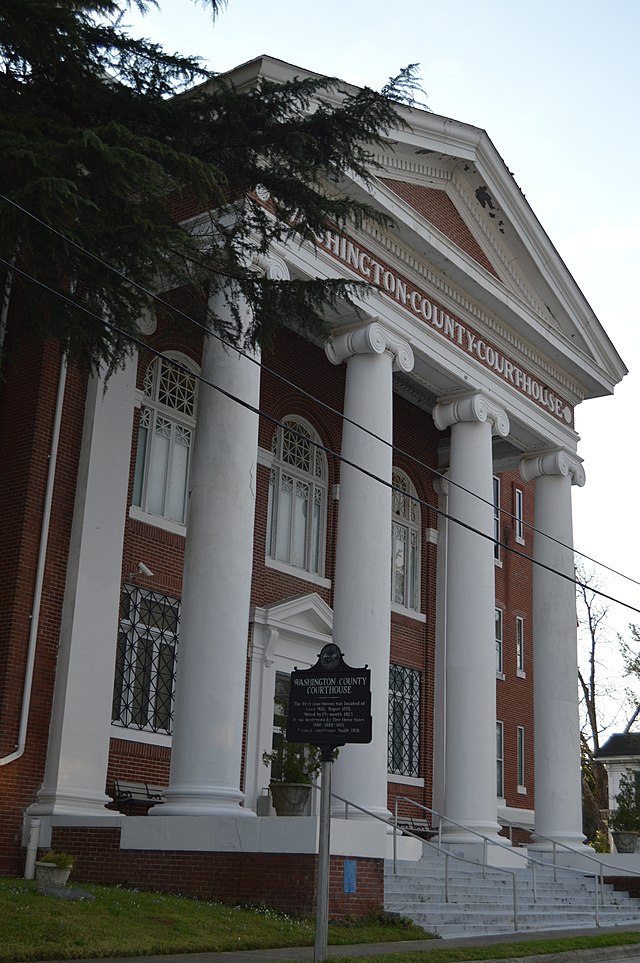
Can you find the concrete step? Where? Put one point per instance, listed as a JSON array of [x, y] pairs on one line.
[[484, 904]]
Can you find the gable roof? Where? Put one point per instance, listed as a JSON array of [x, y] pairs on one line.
[[620, 744], [457, 206]]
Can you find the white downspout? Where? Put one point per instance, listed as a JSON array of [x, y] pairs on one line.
[[42, 555]]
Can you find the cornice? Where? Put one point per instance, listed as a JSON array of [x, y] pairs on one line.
[[406, 261], [467, 201], [420, 172]]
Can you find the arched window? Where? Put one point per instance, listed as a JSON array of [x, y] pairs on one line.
[[165, 438], [296, 523], [405, 543]]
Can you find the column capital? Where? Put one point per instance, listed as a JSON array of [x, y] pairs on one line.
[[271, 266], [472, 407], [556, 462], [370, 338], [440, 484]]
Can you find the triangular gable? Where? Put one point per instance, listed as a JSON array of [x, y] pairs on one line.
[[437, 208], [303, 615]]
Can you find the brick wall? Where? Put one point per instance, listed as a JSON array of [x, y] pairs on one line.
[[438, 208], [282, 880], [28, 389]]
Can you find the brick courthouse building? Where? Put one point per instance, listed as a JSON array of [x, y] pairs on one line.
[[469, 357]]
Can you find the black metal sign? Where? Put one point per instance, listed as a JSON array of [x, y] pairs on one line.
[[330, 703]]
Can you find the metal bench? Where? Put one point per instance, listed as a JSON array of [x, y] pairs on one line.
[[419, 827], [137, 794]]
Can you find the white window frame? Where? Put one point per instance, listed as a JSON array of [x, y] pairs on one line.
[[499, 637], [520, 744], [500, 759], [406, 529], [496, 520], [181, 427], [519, 515], [520, 647], [314, 479]]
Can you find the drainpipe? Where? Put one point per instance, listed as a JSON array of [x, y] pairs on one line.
[[42, 555], [4, 311]]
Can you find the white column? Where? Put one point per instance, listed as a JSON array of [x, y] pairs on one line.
[[78, 751], [470, 712], [212, 656], [362, 594], [558, 798], [441, 487]]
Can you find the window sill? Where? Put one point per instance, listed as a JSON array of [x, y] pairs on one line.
[[140, 735], [497, 562], [521, 673], [408, 613], [405, 780], [501, 676], [157, 521], [297, 572], [522, 791], [520, 540]]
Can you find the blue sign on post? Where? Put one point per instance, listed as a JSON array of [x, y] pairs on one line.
[[349, 875]]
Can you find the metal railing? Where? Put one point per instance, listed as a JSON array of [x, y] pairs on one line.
[[531, 861], [565, 847], [447, 855]]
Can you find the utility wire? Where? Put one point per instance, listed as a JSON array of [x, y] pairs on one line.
[[282, 378], [329, 451]]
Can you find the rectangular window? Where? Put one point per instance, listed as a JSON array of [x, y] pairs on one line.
[[520, 742], [499, 645], [500, 760], [496, 518], [519, 644], [519, 516], [281, 699], [404, 721], [146, 660]]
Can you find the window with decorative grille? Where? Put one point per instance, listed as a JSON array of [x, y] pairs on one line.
[[405, 543], [146, 660], [165, 438], [297, 510], [404, 721]]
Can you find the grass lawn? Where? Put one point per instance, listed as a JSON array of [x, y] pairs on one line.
[[503, 951], [123, 922]]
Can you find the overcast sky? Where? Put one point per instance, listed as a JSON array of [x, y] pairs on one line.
[[555, 83]]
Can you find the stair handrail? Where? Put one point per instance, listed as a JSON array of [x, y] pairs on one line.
[[597, 878], [594, 858], [447, 855]]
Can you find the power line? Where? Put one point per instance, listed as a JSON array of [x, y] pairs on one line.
[[250, 357], [329, 451]]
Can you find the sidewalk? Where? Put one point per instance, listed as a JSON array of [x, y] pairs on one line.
[[630, 954]]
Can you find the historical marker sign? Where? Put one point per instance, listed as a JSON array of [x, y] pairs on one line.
[[330, 703]]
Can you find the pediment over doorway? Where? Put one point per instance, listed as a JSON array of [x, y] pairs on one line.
[[305, 618]]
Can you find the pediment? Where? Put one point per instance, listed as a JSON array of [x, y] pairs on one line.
[[302, 615]]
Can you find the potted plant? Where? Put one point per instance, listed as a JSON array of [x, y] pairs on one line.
[[53, 869], [293, 767], [625, 820]]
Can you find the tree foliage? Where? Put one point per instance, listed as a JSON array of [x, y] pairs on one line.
[[107, 139]]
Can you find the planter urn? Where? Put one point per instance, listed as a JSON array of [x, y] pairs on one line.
[[626, 841], [49, 875], [290, 798]]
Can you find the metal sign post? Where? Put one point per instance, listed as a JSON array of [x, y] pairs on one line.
[[324, 850], [329, 706]]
